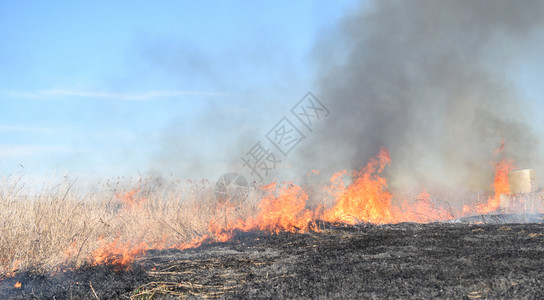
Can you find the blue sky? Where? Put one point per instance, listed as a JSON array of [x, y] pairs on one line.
[[108, 88], [122, 88]]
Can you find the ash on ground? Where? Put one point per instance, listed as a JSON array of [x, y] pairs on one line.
[[401, 261]]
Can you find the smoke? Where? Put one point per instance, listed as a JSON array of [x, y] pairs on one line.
[[430, 81], [207, 138]]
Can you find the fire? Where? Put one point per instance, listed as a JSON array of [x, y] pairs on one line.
[[501, 184], [118, 254], [284, 208], [130, 199], [424, 210], [366, 199], [17, 285], [192, 244], [281, 209], [466, 210], [282, 212]]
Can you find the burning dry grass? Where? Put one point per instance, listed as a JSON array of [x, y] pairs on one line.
[[121, 221], [60, 225]]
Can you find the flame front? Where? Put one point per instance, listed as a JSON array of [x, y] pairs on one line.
[[284, 208], [118, 254], [366, 199], [501, 184]]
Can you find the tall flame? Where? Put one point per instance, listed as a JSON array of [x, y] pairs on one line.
[[501, 184], [366, 199]]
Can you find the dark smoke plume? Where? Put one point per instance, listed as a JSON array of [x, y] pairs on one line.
[[429, 81]]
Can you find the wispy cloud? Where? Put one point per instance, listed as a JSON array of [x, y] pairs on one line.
[[30, 150], [26, 129], [140, 96]]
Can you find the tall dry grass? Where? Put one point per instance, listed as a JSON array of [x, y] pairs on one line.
[[59, 225]]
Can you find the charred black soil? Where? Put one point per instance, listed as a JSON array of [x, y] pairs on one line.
[[402, 261]]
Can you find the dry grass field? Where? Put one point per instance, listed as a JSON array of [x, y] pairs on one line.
[[116, 221], [60, 240], [59, 225]]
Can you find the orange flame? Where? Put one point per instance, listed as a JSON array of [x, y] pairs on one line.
[[284, 212], [122, 255], [366, 199], [194, 243], [466, 210], [130, 199], [17, 285], [283, 208], [425, 210], [118, 254], [501, 184]]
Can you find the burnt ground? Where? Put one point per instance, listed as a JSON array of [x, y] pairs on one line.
[[402, 261]]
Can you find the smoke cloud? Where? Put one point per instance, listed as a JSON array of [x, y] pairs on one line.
[[429, 81]]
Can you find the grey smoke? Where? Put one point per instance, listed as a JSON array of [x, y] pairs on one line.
[[430, 81], [223, 128]]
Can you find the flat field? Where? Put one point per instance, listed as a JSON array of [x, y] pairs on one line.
[[402, 261]]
